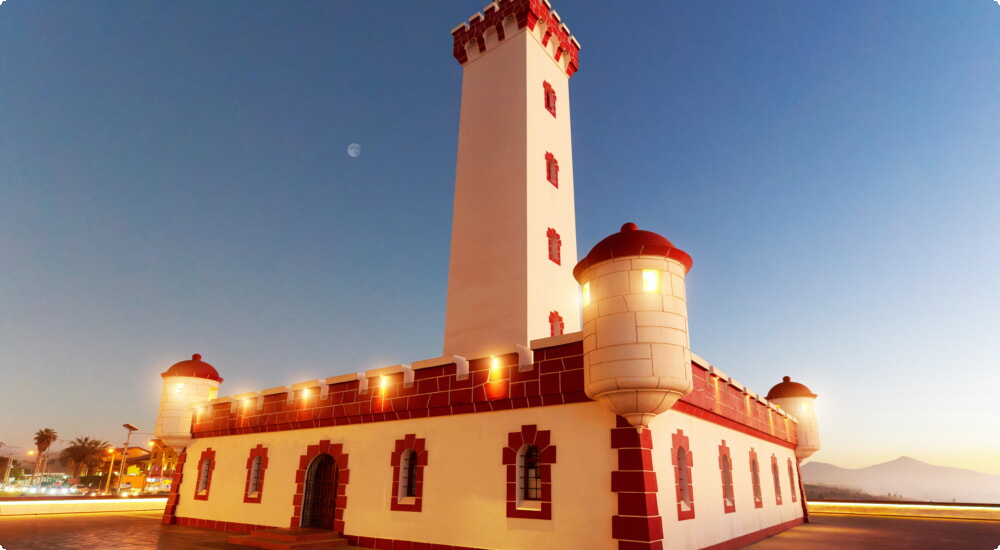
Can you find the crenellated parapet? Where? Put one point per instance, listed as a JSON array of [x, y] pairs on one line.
[[503, 18]]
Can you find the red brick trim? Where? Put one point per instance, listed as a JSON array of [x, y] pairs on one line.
[[683, 484], [381, 543], [398, 502], [209, 455], [776, 475], [254, 497], [174, 497], [550, 98], [556, 324], [726, 459], [552, 169], [231, 526], [516, 443], [638, 524], [791, 480], [758, 497], [554, 245], [343, 477], [704, 414], [750, 538], [556, 378]]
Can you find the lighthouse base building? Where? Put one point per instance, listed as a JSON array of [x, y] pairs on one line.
[[567, 410]]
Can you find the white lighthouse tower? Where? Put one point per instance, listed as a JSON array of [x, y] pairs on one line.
[[513, 243], [184, 384]]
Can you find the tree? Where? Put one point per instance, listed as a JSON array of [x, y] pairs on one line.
[[43, 440], [83, 452]]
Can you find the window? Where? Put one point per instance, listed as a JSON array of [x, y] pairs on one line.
[[650, 280], [552, 169], [791, 480], [205, 467], [529, 457], [682, 459], [550, 98], [408, 461], [556, 324], [777, 479], [531, 474], [555, 244], [758, 502], [256, 465], [726, 468]]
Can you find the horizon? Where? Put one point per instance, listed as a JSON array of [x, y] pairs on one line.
[[180, 178]]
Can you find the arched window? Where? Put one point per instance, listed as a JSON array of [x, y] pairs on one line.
[[408, 461], [777, 479], [555, 246], [726, 468], [682, 459], [556, 324], [758, 501], [531, 473], [552, 169], [256, 465], [550, 98], [791, 480], [205, 467]]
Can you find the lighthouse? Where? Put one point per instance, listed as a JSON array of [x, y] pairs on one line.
[[513, 243], [184, 384]]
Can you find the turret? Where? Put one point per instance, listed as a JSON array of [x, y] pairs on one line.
[[637, 356], [798, 401], [184, 384]]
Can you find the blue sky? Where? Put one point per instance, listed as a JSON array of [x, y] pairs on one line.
[[174, 179]]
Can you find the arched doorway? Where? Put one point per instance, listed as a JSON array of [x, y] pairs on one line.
[[319, 500]]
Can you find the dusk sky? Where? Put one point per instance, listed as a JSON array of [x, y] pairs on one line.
[[175, 179]]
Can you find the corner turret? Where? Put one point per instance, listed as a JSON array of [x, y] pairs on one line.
[[798, 401], [637, 356], [184, 384]]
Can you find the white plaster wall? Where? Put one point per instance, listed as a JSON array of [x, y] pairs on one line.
[[464, 496], [711, 525]]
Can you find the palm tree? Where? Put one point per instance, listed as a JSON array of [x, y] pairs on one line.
[[83, 452], [43, 440]]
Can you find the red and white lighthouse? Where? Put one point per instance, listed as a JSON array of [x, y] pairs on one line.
[[513, 244]]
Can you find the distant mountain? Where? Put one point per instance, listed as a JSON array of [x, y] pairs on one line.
[[910, 478]]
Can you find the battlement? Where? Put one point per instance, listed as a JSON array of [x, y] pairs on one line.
[[504, 18]]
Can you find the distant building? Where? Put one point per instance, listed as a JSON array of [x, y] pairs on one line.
[[567, 410]]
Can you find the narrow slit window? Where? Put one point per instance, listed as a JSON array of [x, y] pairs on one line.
[[555, 246], [777, 479], [550, 98], [758, 501], [531, 474], [556, 324], [552, 169]]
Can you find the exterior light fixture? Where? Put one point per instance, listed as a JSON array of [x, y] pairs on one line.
[[179, 388], [586, 293], [650, 280]]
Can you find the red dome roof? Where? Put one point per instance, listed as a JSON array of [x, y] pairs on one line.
[[632, 241], [194, 368], [787, 388]]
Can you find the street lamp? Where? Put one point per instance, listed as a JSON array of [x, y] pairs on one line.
[[121, 474], [107, 486]]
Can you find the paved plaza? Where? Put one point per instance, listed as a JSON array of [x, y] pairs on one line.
[[143, 531]]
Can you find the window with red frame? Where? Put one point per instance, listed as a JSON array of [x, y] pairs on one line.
[[408, 461], [758, 501], [256, 465], [206, 465], [552, 169], [556, 324], [550, 98], [777, 479], [529, 457], [726, 469], [682, 459], [791, 480], [555, 246]]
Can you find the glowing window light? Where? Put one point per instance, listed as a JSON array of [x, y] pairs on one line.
[[651, 280], [179, 388], [246, 402], [586, 293], [384, 382]]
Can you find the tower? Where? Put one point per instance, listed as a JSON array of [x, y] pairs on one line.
[[184, 384], [513, 229], [797, 400], [637, 355]]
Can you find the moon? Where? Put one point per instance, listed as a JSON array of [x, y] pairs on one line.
[[354, 150]]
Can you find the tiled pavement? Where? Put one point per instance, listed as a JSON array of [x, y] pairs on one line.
[[143, 531]]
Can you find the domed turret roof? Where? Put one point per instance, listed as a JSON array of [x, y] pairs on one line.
[[632, 241], [194, 368], [787, 388]]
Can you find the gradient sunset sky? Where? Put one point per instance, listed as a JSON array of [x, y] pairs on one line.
[[174, 179]]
